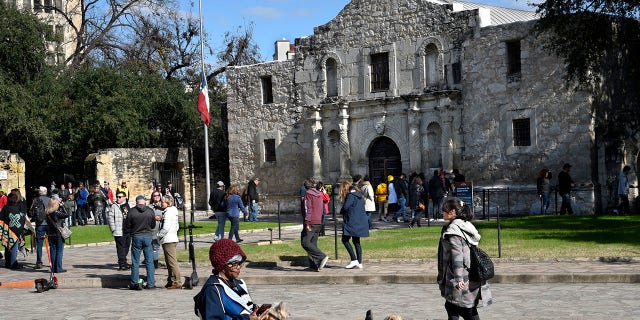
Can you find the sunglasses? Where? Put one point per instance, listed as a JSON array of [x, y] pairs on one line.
[[235, 265], [121, 197]]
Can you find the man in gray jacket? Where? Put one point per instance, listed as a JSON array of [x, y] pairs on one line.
[[116, 216], [141, 221]]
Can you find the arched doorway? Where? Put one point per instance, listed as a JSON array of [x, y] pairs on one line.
[[384, 159]]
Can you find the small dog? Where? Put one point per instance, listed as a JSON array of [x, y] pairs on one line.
[[277, 312], [369, 316]]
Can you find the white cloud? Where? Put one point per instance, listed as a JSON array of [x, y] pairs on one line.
[[264, 12]]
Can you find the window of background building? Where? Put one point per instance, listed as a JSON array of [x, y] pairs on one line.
[[332, 77], [513, 60], [267, 90], [521, 132], [380, 71], [270, 150]]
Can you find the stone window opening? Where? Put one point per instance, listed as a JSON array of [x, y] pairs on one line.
[[332, 77], [379, 72], [456, 72], [514, 63], [267, 89], [269, 150], [521, 132]]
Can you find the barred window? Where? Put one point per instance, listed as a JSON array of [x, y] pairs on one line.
[[270, 150], [380, 71], [521, 132]]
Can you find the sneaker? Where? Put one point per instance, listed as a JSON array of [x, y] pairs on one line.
[[175, 286], [135, 287], [323, 262], [39, 265], [385, 220], [359, 266], [352, 264], [239, 240]]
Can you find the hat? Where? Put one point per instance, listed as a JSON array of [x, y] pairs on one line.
[[389, 178], [140, 197], [220, 184], [55, 196], [42, 191], [222, 251], [566, 165]]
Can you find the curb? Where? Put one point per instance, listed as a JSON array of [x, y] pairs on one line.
[[315, 278]]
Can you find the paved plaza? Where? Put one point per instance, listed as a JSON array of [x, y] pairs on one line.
[[93, 288], [336, 302]]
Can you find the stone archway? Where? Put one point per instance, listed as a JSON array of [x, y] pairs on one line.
[[384, 159]]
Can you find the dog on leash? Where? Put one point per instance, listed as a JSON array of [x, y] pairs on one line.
[[277, 312], [369, 316]]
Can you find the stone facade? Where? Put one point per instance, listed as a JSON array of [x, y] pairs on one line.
[[141, 167], [12, 170], [388, 86]]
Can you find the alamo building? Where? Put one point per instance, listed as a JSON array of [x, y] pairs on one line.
[[389, 86]]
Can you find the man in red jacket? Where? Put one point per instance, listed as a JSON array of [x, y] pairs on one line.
[[313, 208]]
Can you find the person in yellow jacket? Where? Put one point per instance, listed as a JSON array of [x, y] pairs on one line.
[[381, 198]]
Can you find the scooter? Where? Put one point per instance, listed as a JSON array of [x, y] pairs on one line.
[[193, 280], [44, 284]]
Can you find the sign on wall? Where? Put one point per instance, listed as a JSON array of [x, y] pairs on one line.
[[4, 175]]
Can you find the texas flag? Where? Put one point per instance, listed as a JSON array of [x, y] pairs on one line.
[[203, 101]]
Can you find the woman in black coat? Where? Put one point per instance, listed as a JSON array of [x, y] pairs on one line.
[[355, 223]]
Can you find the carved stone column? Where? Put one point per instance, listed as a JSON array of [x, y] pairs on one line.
[[447, 142], [415, 146], [345, 149], [316, 159]]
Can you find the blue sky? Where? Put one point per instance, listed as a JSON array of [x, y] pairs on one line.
[[277, 19]]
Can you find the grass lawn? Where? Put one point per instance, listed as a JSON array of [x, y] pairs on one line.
[[529, 237], [102, 233]]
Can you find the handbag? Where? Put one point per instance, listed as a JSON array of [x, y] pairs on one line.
[[65, 232]]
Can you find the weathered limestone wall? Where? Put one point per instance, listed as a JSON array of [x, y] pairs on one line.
[[251, 122], [12, 169], [141, 166]]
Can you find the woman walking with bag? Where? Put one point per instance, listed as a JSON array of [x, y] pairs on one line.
[[55, 218], [355, 223], [462, 295]]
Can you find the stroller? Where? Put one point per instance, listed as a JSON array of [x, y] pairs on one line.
[[43, 284]]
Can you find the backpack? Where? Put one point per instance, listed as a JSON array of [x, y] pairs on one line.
[[37, 211], [481, 268]]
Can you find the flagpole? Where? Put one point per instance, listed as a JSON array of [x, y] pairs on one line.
[[206, 128]]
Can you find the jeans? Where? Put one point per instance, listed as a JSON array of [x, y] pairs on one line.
[[81, 214], [11, 256], [235, 227], [546, 201], [437, 207], [402, 210], [142, 243], [222, 220], [41, 231], [369, 218], [56, 246], [123, 243], [309, 242], [253, 212], [356, 242], [624, 204], [566, 204]]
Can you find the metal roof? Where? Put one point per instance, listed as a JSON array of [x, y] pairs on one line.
[[499, 15]]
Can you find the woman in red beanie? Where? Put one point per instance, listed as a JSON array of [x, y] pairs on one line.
[[224, 296]]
